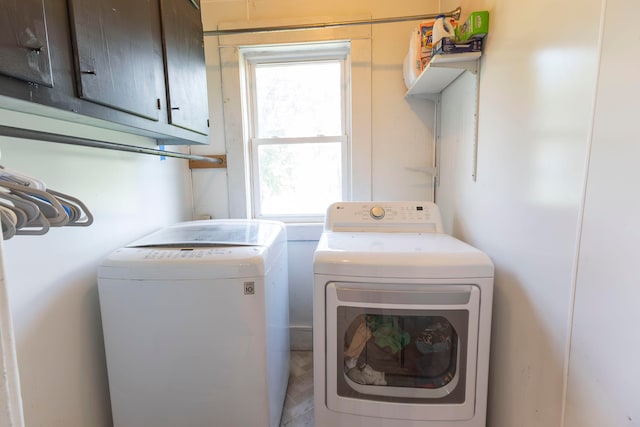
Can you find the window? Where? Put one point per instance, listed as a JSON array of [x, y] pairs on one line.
[[297, 104]]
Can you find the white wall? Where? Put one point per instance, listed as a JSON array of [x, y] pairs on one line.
[[210, 191], [536, 98], [51, 279], [604, 374], [539, 82], [390, 155]]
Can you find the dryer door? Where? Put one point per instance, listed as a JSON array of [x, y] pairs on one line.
[[402, 351]]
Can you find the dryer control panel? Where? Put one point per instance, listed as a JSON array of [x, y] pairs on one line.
[[399, 217]]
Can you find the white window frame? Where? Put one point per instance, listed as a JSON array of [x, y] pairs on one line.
[[292, 54], [229, 124]]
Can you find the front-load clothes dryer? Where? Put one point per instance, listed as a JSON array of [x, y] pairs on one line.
[[195, 320], [401, 321]]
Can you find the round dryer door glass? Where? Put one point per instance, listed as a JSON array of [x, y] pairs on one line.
[[401, 353]]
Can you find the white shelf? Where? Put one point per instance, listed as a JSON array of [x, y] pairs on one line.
[[441, 71]]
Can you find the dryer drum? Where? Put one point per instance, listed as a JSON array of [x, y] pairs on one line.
[[401, 351]]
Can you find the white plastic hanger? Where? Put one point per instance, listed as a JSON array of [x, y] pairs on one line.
[[82, 216], [30, 208], [8, 220], [77, 212], [20, 215], [22, 179], [47, 203], [36, 224]]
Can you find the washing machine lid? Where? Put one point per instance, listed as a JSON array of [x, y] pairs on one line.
[[399, 255], [210, 233], [199, 250]]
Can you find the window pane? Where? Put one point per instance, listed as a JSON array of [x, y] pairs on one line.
[[298, 99], [299, 179]]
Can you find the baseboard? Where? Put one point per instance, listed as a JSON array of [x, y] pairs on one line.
[[301, 337]]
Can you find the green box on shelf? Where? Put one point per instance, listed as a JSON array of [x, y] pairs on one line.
[[475, 27]]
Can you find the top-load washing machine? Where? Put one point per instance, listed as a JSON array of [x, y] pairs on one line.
[[195, 320], [401, 321]]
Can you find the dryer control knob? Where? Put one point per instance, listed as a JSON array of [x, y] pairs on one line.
[[377, 212]]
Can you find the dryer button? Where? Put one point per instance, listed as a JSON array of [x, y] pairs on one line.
[[377, 212]]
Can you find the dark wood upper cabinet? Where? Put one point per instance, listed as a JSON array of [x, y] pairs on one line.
[[134, 66], [117, 58], [184, 64], [24, 45]]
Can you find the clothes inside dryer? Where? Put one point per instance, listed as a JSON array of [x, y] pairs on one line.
[[401, 353], [407, 351]]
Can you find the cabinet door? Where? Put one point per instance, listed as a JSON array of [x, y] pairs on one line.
[[24, 48], [117, 57], [184, 64]]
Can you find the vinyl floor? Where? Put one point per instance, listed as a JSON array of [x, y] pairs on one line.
[[298, 404]]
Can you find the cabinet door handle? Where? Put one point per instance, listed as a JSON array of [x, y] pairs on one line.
[[175, 108], [88, 72]]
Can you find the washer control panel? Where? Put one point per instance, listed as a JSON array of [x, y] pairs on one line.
[[384, 216]]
